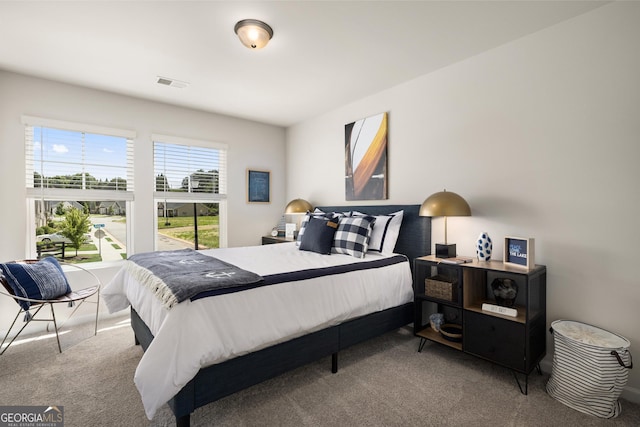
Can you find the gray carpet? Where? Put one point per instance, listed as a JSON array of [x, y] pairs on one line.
[[383, 382]]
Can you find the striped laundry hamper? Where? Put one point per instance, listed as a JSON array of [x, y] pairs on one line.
[[590, 368]]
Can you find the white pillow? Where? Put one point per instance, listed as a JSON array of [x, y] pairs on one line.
[[385, 231]]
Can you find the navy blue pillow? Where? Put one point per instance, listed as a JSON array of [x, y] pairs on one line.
[[317, 213], [41, 280], [318, 236]]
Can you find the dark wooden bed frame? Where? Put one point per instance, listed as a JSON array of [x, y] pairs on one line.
[[220, 380]]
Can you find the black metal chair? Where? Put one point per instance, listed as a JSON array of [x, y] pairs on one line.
[[73, 298]]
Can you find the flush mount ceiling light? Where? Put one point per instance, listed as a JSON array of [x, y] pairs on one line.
[[253, 34]]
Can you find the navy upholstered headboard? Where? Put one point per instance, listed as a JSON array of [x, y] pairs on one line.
[[415, 234]]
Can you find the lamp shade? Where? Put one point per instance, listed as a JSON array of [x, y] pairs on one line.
[[253, 34], [445, 203], [298, 206]]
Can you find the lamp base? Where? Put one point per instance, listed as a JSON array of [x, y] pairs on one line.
[[445, 250]]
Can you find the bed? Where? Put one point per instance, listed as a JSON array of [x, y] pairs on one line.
[[251, 363]]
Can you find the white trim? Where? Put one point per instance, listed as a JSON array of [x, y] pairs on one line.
[[30, 247], [222, 174], [78, 127], [78, 194], [131, 210], [222, 224], [171, 196], [155, 224], [632, 394], [156, 137]]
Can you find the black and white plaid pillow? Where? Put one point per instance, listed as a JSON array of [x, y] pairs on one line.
[[352, 236]]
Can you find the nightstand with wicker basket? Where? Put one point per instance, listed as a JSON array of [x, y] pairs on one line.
[[437, 291], [463, 294]]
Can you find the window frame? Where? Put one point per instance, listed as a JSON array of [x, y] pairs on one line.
[[194, 197], [41, 193]]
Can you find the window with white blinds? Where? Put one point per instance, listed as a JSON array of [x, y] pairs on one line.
[[83, 167], [77, 161], [190, 193], [188, 170]]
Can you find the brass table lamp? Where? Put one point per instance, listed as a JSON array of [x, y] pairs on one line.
[[445, 203]]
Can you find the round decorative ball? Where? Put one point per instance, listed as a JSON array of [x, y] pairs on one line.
[[484, 247]]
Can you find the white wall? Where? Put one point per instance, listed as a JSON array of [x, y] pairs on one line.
[[541, 137], [251, 145]]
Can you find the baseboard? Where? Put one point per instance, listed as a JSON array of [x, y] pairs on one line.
[[546, 364], [85, 316], [631, 394]]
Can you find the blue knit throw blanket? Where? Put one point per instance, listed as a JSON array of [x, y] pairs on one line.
[[174, 276]]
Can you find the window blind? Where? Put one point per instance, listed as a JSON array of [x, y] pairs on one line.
[[63, 163], [188, 171]]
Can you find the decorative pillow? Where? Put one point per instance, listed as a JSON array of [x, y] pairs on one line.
[[41, 280], [317, 213], [318, 236], [352, 237], [385, 231]]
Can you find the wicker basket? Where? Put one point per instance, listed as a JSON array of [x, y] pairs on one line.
[[441, 287], [451, 332]]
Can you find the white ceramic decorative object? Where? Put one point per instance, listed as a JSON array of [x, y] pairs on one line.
[[484, 247]]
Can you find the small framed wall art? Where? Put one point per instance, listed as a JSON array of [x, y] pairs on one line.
[[258, 186], [519, 252]]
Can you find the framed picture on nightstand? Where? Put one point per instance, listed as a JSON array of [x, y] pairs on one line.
[[519, 252]]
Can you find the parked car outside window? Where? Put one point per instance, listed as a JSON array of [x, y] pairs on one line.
[[58, 237]]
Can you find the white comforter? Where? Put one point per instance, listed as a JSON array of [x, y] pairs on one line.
[[196, 334]]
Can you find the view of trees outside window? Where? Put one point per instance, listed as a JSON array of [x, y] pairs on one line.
[[80, 182], [80, 232], [71, 177], [71, 160]]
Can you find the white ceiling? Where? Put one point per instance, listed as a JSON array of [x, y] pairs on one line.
[[323, 54]]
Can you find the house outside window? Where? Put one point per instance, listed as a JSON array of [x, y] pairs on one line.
[[79, 181]]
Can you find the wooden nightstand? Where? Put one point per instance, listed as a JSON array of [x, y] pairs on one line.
[[269, 240]]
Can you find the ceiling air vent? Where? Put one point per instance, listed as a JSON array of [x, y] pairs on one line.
[[172, 82]]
